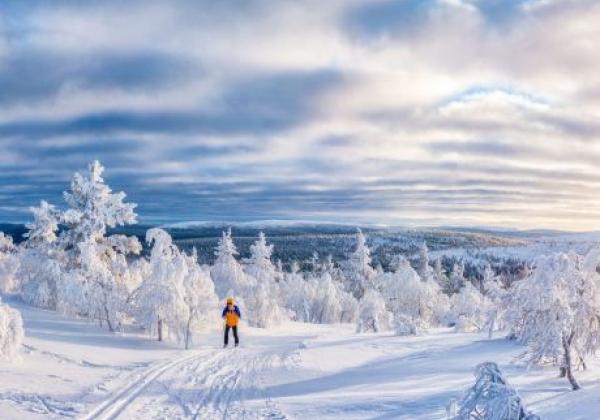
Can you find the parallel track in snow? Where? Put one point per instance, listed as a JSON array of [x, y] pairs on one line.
[[224, 384], [121, 399]]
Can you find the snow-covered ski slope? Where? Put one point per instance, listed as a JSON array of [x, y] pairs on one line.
[[71, 368]]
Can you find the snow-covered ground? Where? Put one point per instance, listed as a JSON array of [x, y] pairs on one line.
[[71, 368]]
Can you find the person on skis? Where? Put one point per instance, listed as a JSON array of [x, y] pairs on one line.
[[232, 316]]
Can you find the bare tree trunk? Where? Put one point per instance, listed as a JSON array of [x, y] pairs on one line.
[[568, 363], [491, 327], [160, 329], [110, 326], [187, 333]]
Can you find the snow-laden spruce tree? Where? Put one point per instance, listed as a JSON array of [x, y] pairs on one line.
[[468, 308], [160, 300], [262, 299], [297, 294], [439, 275], [359, 272], [40, 268], [372, 313], [9, 264], [326, 305], [11, 332], [490, 398], [556, 311], [259, 264], [201, 301], [94, 284], [424, 270], [495, 297], [456, 279], [227, 273]]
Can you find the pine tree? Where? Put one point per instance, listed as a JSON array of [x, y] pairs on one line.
[[360, 272], [41, 259], [262, 301], [456, 280], [93, 284], [424, 270], [161, 297], [199, 297], [227, 274]]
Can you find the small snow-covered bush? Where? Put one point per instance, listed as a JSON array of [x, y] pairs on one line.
[[491, 398], [468, 306], [372, 315], [11, 332], [404, 325], [9, 264]]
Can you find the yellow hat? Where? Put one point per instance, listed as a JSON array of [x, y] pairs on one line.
[[230, 301]]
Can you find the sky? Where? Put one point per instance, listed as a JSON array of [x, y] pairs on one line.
[[400, 112]]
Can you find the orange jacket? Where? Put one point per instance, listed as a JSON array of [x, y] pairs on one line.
[[232, 316]]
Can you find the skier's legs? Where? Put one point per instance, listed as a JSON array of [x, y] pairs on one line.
[[227, 334], [235, 335]]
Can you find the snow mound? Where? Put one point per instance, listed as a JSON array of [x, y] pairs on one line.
[[11, 332]]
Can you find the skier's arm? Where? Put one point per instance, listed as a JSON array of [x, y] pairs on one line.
[[237, 311], [224, 313]]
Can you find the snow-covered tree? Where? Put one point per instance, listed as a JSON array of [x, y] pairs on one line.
[[468, 309], [435, 305], [456, 280], [262, 306], [373, 314], [401, 290], [40, 259], [93, 208], [557, 311], [326, 307], [360, 273], [199, 297], [495, 297], [318, 299], [44, 227], [95, 282], [439, 275], [410, 298], [348, 306], [11, 332], [262, 298], [296, 294], [259, 264], [404, 325], [227, 273], [9, 264], [491, 398], [161, 297], [424, 270]]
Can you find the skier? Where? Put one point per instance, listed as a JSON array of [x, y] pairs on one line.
[[231, 315]]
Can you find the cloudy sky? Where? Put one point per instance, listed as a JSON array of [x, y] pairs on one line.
[[408, 112]]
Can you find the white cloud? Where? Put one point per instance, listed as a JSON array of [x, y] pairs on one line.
[[452, 114]]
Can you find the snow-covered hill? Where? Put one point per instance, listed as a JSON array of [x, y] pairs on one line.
[[70, 368]]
